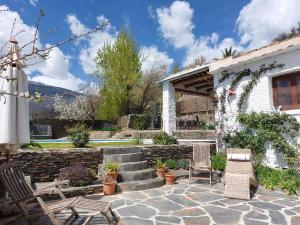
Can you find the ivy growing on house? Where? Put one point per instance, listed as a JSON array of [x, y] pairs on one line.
[[279, 129], [254, 75]]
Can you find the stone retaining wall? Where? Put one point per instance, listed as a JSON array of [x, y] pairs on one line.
[[44, 165]]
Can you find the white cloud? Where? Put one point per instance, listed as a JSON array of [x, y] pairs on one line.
[[176, 24], [153, 57], [91, 43], [55, 70], [33, 2], [151, 12], [261, 21], [258, 23], [76, 27]]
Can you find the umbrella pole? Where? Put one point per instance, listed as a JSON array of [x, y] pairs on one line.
[[7, 157]]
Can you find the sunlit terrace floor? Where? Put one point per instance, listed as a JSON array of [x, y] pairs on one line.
[[194, 203]]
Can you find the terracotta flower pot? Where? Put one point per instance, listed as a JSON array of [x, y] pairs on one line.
[[160, 172], [109, 187], [170, 178], [112, 175]]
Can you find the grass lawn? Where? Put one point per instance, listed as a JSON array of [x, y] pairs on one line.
[[90, 145]]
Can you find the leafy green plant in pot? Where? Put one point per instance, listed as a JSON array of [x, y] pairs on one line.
[[160, 168], [111, 170], [218, 163], [170, 175]]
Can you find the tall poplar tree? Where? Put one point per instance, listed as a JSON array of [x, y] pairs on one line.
[[119, 66]]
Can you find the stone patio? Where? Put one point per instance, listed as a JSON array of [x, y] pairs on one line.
[[194, 203]]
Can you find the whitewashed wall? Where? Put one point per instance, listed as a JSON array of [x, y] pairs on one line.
[[169, 108], [261, 97]]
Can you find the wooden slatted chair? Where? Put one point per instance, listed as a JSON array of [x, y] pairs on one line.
[[201, 161], [33, 206]]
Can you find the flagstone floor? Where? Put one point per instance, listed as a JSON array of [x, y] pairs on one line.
[[194, 203]]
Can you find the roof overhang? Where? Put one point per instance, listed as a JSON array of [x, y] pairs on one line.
[[255, 55], [195, 81]]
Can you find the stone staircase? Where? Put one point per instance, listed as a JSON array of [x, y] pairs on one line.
[[134, 173]]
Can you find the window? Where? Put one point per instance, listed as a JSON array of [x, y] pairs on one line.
[[286, 91]]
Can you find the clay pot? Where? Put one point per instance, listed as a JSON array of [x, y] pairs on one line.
[[112, 175], [109, 187], [170, 178], [160, 172]]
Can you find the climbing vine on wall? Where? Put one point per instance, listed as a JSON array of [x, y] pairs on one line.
[[254, 75]]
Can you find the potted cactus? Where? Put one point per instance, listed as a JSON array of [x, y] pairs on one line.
[[160, 168], [111, 170]]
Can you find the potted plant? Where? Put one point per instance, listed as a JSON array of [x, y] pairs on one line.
[[109, 186], [170, 175], [160, 168], [111, 170], [218, 163]]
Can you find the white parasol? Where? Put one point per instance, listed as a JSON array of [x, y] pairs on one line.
[[14, 110]]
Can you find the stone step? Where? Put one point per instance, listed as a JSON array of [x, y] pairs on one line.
[[131, 166], [137, 175], [122, 150], [140, 185], [123, 158]]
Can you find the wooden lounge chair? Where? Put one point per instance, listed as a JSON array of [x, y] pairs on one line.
[[239, 174], [33, 207], [201, 162]]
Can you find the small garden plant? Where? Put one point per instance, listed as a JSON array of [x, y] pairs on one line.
[[163, 138], [79, 136], [159, 164], [77, 174], [272, 179], [218, 161], [172, 164], [112, 166]]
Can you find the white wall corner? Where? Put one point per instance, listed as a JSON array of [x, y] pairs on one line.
[[169, 108]]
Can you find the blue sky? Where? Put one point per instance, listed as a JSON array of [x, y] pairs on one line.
[[166, 31]]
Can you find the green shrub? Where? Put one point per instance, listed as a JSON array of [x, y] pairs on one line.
[[210, 126], [172, 164], [140, 122], [218, 161], [77, 174], [286, 180], [183, 163], [32, 145], [114, 128], [79, 136], [163, 138]]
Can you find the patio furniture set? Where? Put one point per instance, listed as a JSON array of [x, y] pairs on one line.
[[238, 178]]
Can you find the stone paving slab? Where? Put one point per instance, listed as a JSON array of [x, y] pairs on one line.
[[190, 203]]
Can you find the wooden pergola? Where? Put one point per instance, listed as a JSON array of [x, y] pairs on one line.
[[195, 81]]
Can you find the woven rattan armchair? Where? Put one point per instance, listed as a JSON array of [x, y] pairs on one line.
[[201, 162], [32, 206], [239, 175]]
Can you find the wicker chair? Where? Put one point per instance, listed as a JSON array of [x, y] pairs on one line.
[[201, 161], [33, 207], [239, 175]]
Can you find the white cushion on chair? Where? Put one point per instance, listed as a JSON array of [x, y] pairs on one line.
[[240, 157]]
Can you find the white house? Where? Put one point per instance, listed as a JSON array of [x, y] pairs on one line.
[[276, 89]]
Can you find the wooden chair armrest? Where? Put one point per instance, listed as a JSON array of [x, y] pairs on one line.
[[51, 187]]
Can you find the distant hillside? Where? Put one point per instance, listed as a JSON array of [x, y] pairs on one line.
[[45, 108]]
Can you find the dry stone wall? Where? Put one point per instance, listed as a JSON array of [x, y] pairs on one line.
[[44, 165]]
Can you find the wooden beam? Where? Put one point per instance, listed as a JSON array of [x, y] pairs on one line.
[[203, 86], [191, 92], [199, 82], [192, 78]]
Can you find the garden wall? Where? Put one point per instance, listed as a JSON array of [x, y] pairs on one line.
[[44, 165]]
